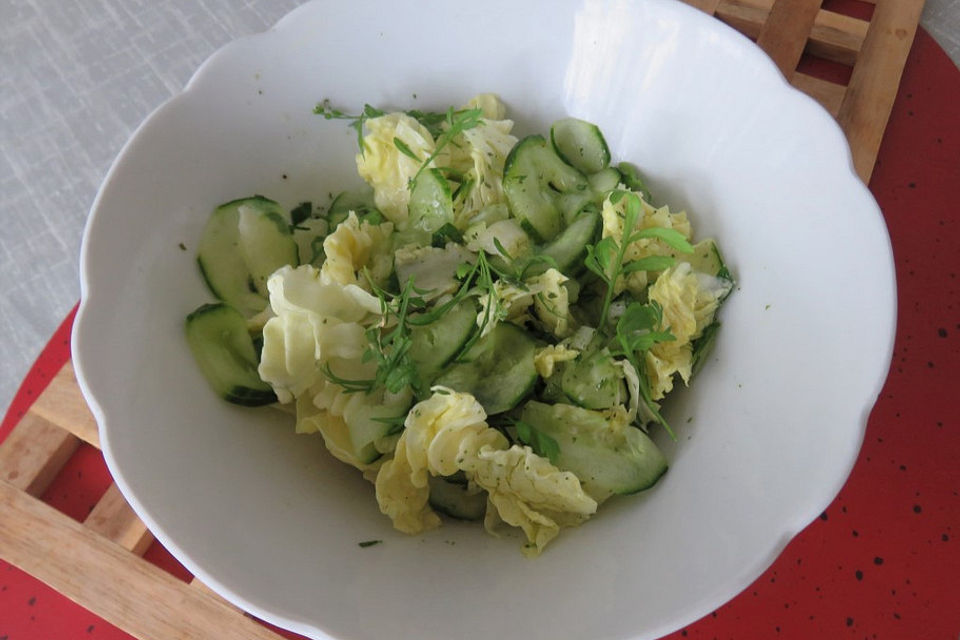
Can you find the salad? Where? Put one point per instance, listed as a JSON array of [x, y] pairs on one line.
[[487, 330]]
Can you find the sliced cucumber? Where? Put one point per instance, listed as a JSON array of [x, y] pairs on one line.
[[244, 242], [309, 235], [580, 144], [533, 175], [631, 178], [605, 181], [360, 201], [575, 203], [454, 499], [370, 417], [435, 344], [433, 269], [702, 347], [507, 233], [706, 258], [224, 351], [594, 381], [569, 249], [266, 243], [607, 458], [431, 204], [498, 369], [490, 214]]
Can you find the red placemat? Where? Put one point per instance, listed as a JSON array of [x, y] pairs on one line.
[[883, 561]]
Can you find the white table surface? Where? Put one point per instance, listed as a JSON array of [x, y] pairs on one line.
[[76, 78]]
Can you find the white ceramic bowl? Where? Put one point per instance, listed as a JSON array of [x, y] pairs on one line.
[[766, 437]]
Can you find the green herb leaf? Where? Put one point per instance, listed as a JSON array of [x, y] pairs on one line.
[[405, 149], [431, 120], [671, 237], [649, 263], [447, 233], [542, 444], [329, 113], [457, 122], [501, 249], [301, 212], [351, 386], [368, 543]]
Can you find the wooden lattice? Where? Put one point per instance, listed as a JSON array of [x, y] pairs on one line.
[[876, 49]]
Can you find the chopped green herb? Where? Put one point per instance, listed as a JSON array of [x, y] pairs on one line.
[[369, 543], [542, 444], [457, 122], [324, 109], [405, 149], [301, 212], [446, 233]]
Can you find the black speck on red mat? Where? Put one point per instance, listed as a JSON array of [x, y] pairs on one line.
[[884, 560]]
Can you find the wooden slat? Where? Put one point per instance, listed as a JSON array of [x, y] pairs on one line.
[[202, 586], [121, 588], [62, 403], [113, 518], [828, 94], [707, 6], [784, 34], [834, 36], [837, 37], [876, 77], [33, 453]]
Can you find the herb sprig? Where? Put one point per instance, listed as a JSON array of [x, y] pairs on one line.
[[457, 122], [543, 444], [357, 121], [390, 340], [606, 257], [637, 331], [444, 127]]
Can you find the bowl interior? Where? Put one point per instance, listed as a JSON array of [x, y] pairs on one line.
[[765, 438]]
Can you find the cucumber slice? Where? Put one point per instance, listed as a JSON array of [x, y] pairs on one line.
[[266, 243], [706, 258], [507, 233], [433, 269], [606, 458], [453, 499], [533, 175], [431, 204], [580, 144], [434, 345], [702, 347], [237, 253], [631, 178], [594, 381], [498, 369], [490, 214], [224, 351], [370, 417], [360, 201], [575, 203], [569, 249], [605, 181], [309, 235]]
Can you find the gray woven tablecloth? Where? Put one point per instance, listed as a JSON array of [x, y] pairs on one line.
[[76, 78]]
